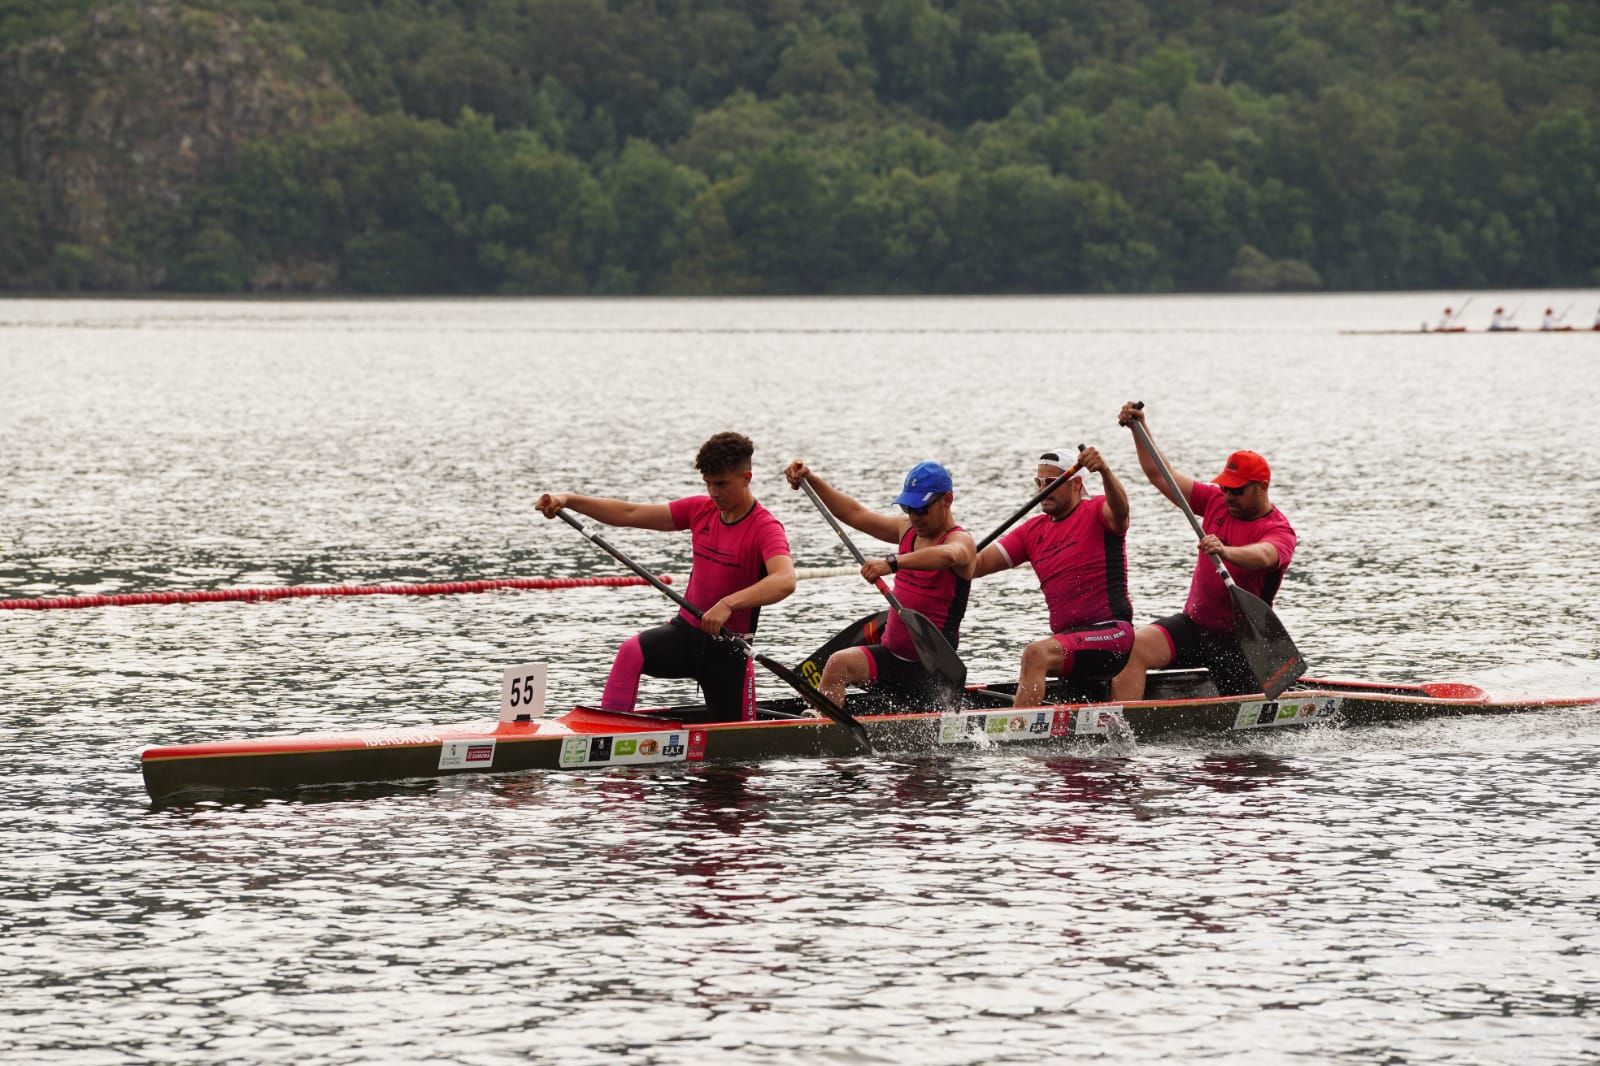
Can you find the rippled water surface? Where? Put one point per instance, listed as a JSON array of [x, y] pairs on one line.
[[1411, 894]]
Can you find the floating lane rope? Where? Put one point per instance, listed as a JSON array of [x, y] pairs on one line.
[[292, 592], [295, 592]]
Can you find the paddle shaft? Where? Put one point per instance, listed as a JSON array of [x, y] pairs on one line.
[[883, 586], [661, 586], [1458, 312], [1038, 497], [1172, 483]]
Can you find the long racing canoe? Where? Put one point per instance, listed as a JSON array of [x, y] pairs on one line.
[[1178, 702]]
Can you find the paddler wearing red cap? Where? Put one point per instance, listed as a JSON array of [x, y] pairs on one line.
[[1253, 540], [1078, 550], [930, 570]]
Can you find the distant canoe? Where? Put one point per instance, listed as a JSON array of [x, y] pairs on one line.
[[1454, 332]]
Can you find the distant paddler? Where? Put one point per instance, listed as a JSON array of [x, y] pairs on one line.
[[1502, 322], [1447, 321], [931, 572], [741, 564], [1552, 322], [1250, 537], [1079, 553]]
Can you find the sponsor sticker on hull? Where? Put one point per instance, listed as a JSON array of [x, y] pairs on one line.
[[467, 754], [1003, 726], [632, 749], [1269, 714], [1100, 721]]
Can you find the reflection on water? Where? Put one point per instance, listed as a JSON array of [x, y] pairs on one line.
[[1420, 893]]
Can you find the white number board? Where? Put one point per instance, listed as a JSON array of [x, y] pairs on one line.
[[522, 692]]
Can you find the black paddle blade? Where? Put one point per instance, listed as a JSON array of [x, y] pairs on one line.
[[823, 704], [865, 630], [934, 651], [1271, 654]]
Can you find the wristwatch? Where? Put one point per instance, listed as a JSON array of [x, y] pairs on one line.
[[893, 561]]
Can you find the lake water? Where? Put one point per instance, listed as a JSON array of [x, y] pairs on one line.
[[1419, 894]]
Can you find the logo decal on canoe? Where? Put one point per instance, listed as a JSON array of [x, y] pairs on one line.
[[958, 726], [467, 754], [630, 749], [1100, 722], [1266, 714]]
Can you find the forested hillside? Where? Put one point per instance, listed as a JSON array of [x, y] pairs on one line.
[[736, 146]]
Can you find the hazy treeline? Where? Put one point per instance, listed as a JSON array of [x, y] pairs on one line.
[[701, 146]]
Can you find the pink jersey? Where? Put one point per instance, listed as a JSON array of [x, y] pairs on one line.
[[939, 594], [1209, 603], [727, 556], [1082, 565]]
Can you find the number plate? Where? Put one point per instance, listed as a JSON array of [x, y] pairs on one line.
[[522, 692]]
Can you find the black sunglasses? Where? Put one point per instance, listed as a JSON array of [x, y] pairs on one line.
[[918, 511], [1234, 492]]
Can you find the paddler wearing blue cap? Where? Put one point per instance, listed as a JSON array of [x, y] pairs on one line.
[[931, 569]]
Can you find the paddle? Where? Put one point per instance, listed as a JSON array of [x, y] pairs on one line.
[[823, 704], [1055, 483], [1268, 649], [1458, 311], [933, 650], [865, 630]]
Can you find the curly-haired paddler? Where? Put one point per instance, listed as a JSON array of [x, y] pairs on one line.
[[741, 564]]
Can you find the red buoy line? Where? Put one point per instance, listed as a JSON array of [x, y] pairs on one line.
[[295, 592], [292, 592]]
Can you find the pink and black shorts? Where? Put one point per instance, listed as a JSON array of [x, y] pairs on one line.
[[1097, 652]]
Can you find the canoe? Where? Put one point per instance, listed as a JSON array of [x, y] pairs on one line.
[[1178, 702]]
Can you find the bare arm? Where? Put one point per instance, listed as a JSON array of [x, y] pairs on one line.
[[847, 509], [611, 512], [991, 560], [778, 584], [957, 553], [1261, 555], [1147, 461], [1114, 512]]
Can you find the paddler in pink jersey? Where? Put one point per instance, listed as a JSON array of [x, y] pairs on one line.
[[1253, 540], [1078, 551], [741, 564], [932, 570]]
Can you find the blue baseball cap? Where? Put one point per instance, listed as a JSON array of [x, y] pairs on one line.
[[926, 482]]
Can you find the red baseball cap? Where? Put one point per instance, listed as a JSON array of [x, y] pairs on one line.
[[1243, 468]]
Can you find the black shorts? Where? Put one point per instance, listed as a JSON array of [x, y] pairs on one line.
[[905, 683], [679, 649], [1217, 652]]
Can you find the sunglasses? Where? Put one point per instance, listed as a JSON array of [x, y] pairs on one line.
[[918, 511], [1041, 482], [1234, 492]]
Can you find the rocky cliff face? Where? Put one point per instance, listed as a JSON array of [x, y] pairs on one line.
[[119, 120]]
